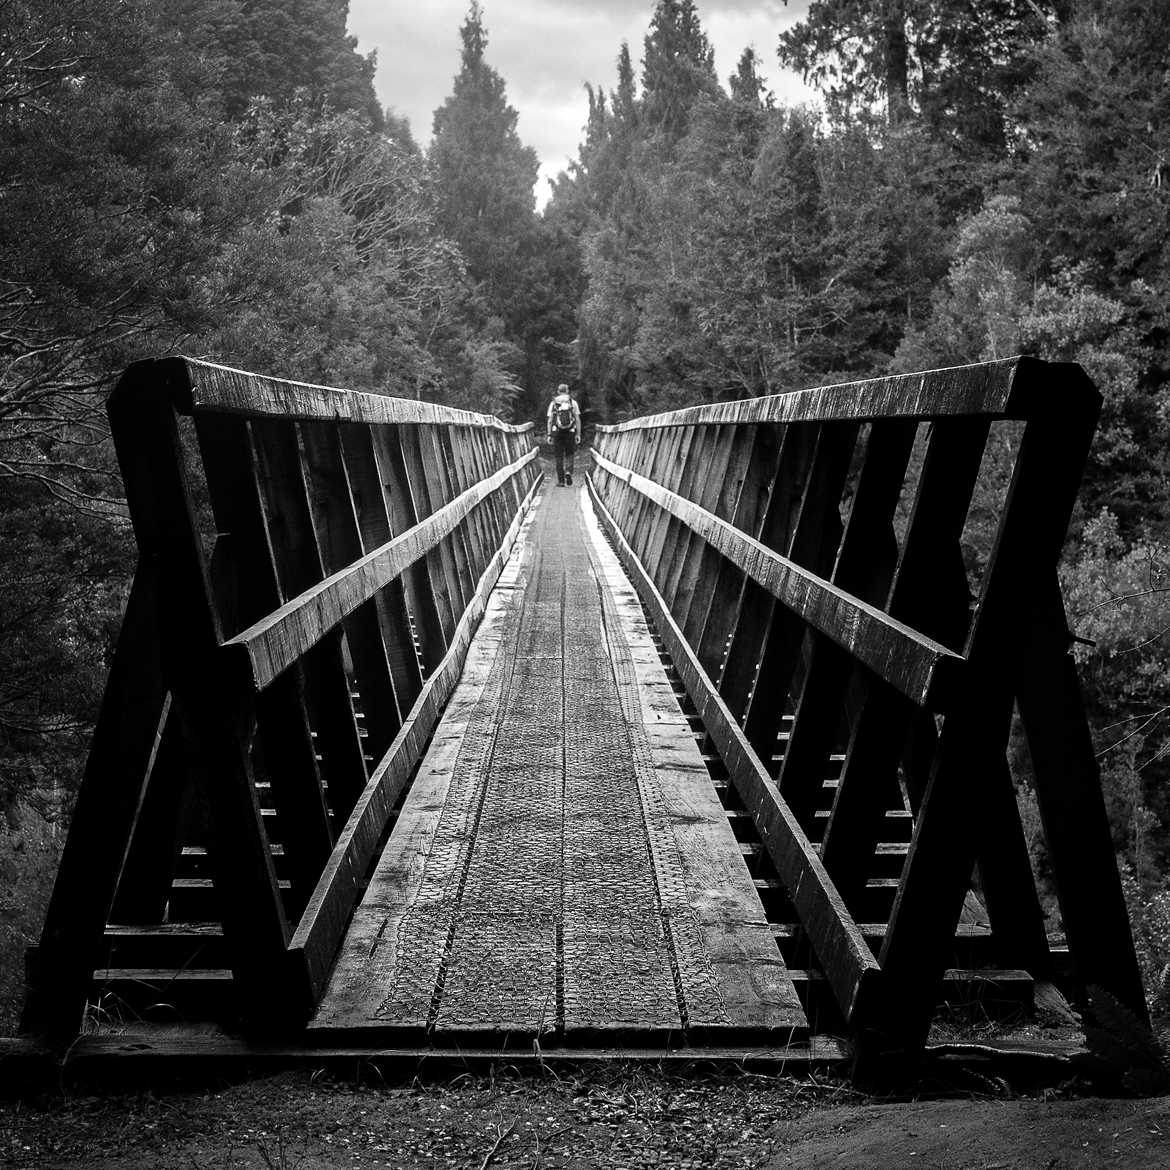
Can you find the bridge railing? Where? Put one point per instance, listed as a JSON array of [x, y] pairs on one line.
[[312, 564], [808, 559]]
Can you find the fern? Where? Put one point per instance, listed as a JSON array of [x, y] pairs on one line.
[[1132, 1052]]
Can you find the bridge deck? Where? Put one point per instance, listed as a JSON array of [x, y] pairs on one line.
[[562, 863]]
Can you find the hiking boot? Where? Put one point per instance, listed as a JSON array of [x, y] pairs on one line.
[[569, 480]]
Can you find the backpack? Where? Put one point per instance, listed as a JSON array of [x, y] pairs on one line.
[[563, 414]]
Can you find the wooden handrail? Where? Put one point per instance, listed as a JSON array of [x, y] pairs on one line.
[[206, 387], [925, 671], [274, 643], [1001, 389]]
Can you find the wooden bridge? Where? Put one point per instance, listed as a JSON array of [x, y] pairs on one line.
[[403, 746]]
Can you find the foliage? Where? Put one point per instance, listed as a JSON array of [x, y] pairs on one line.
[[526, 271], [204, 175], [954, 65], [1137, 1056], [29, 852]]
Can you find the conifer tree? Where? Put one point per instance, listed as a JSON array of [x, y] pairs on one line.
[[678, 67], [484, 176]]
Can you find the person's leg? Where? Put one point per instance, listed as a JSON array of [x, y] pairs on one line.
[[570, 447], [559, 448]]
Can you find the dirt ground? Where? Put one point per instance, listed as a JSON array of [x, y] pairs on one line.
[[623, 1118]]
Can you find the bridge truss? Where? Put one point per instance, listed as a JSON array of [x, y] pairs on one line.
[[313, 567]]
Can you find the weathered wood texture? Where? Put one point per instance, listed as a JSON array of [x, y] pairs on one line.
[[562, 866], [855, 655], [312, 564]]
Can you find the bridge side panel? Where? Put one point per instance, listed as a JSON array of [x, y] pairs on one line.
[[826, 700]]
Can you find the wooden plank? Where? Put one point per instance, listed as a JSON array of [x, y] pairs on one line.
[[163, 1051], [728, 479], [867, 788], [315, 940], [156, 840], [245, 545], [440, 561], [288, 520], [339, 538], [1007, 388], [753, 988], [952, 822], [416, 579], [925, 671], [814, 535], [756, 611], [843, 953], [720, 626], [370, 955], [864, 566], [442, 489], [206, 387], [273, 644], [375, 530], [810, 528], [699, 559], [929, 589]]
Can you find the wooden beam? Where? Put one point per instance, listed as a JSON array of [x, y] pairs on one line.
[[207, 387], [1072, 809], [1009, 388], [151, 455], [275, 643], [922, 669], [134, 711], [244, 546]]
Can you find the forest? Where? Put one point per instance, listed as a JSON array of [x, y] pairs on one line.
[[217, 177]]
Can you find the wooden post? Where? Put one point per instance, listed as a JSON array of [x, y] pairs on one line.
[[284, 724], [129, 730], [815, 538], [289, 522], [146, 438], [420, 596], [375, 529], [339, 539]]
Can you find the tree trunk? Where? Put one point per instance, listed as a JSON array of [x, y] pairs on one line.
[[897, 56]]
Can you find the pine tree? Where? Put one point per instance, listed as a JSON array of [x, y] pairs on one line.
[[678, 67], [484, 174], [527, 271]]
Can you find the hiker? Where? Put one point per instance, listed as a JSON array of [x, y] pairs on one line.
[[564, 431]]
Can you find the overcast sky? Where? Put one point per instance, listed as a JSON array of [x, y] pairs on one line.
[[546, 50]]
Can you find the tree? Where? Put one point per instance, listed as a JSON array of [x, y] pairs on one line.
[[955, 65], [115, 200], [484, 174], [678, 67], [1093, 161], [272, 48], [483, 180]]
